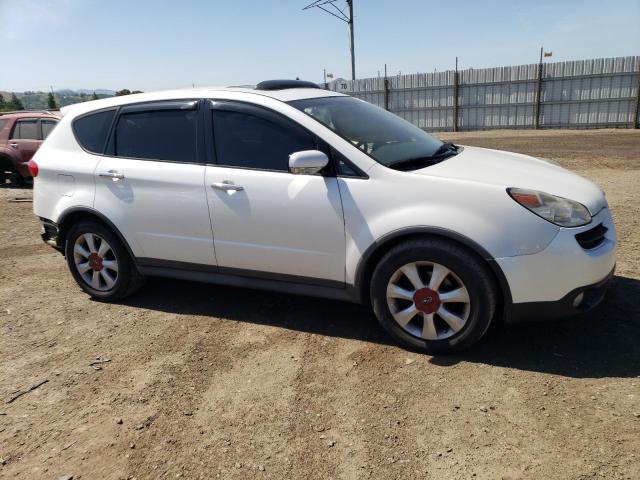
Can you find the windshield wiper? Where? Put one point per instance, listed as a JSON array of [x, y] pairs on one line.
[[445, 147], [445, 150]]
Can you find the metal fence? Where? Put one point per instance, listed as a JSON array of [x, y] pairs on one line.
[[596, 93]]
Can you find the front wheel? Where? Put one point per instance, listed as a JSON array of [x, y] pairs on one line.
[[433, 296], [99, 262]]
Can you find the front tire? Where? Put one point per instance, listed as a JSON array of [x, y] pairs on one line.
[[100, 263], [433, 296]]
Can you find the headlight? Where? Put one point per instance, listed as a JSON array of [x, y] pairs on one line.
[[557, 210]]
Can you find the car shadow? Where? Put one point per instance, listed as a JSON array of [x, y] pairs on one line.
[[11, 186], [603, 343]]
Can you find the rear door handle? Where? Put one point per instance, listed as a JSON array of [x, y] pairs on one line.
[[14, 145], [112, 174], [227, 186]]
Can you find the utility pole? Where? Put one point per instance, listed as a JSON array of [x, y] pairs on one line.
[[538, 99], [387, 88], [326, 5], [351, 42], [455, 98]]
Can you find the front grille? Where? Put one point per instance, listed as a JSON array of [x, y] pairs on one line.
[[593, 238]]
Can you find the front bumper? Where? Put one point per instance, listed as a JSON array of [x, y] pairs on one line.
[[577, 261], [563, 265], [579, 300]]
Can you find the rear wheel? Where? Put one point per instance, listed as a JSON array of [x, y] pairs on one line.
[[433, 296], [16, 179], [99, 262]]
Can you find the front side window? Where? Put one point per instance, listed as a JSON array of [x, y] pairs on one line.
[[244, 140], [26, 130], [47, 127], [91, 130], [383, 136], [158, 135]]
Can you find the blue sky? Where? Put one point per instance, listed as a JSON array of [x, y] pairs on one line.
[[151, 45]]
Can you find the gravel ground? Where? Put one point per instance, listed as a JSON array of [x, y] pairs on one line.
[[212, 382]]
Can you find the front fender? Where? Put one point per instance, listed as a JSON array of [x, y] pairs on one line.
[[484, 214]]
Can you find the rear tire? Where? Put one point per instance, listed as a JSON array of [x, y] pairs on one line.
[[100, 263], [17, 180], [450, 289]]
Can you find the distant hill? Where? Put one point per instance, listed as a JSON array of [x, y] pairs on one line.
[[38, 100], [84, 91], [99, 91]]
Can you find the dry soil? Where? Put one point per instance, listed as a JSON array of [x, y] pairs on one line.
[[213, 382]]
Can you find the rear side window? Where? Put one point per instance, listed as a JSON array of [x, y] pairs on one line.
[[91, 130], [249, 141], [158, 135], [47, 127], [26, 129], [3, 123]]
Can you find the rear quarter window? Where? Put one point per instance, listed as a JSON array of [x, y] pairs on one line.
[[92, 130]]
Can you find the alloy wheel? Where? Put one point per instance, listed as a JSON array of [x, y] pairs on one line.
[[428, 300], [95, 261]]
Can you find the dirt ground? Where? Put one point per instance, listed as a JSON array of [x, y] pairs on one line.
[[213, 382]]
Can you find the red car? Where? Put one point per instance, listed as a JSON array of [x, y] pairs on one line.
[[21, 133]]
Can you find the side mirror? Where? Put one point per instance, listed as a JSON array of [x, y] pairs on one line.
[[307, 162]]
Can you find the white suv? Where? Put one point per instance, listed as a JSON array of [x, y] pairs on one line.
[[292, 188]]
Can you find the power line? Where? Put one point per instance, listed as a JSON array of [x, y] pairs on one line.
[[326, 5]]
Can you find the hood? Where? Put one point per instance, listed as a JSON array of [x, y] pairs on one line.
[[521, 171]]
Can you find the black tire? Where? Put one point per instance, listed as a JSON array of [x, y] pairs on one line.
[[17, 180], [128, 278], [468, 267]]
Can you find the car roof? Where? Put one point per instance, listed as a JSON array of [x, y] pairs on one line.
[[284, 95], [29, 114]]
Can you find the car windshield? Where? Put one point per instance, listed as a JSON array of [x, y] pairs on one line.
[[385, 137]]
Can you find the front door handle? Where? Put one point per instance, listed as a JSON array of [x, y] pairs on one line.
[[227, 186], [112, 174], [14, 145]]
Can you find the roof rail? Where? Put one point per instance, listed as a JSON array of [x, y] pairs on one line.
[[285, 84], [48, 112]]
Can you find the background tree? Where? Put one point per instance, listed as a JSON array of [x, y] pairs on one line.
[[94, 96], [15, 103], [126, 91], [3, 104], [51, 101]]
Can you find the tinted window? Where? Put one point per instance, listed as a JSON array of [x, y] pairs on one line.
[[47, 127], [159, 135], [26, 130], [92, 130], [245, 140]]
